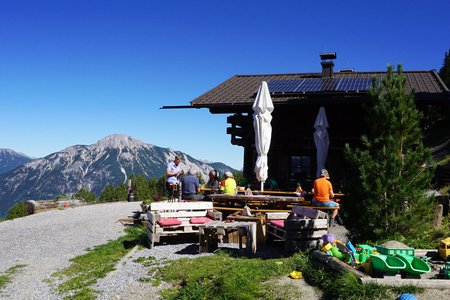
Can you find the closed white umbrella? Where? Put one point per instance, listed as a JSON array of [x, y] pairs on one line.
[[262, 117], [321, 139]]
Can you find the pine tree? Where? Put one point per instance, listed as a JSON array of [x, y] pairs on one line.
[[141, 187], [389, 175], [121, 192], [444, 72], [157, 186], [85, 195], [107, 194]]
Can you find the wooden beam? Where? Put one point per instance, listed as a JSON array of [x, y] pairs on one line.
[[236, 131], [236, 141], [423, 283], [239, 120], [336, 264]]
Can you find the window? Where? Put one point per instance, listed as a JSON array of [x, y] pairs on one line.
[[300, 168]]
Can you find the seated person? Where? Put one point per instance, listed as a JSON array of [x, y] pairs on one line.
[[213, 182], [190, 186], [270, 184], [299, 191], [228, 185], [323, 193]]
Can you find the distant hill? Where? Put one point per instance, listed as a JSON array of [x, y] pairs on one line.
[[111, 160], [10, 159]]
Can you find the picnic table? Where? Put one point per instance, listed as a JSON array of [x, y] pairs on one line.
[[260, 203], [256, 201]]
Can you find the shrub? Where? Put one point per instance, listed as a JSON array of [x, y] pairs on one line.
[[18, 210]]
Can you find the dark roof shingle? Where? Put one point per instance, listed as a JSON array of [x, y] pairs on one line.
[[241, 89]]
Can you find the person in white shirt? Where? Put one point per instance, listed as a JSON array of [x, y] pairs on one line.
[[172, 173]]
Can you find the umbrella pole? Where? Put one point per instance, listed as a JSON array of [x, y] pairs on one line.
[[262, 186]]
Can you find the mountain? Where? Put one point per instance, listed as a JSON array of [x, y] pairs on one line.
[[10, 160], [111, 160]]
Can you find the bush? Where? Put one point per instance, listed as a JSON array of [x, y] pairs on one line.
[[18, 210], [85, 195]]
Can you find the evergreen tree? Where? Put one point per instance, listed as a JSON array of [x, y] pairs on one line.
[[388, 176], [85, 195], [141, 187], [444, 72], [113, 193], [121, 192], [107, 194], [155, 186]]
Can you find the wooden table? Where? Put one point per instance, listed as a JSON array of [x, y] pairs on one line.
[[212, 232], [274, 193], [270, 202], [259, 219]]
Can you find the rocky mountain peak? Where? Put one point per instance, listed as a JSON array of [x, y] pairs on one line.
[[9, 152], [119, 141], [10, 159]]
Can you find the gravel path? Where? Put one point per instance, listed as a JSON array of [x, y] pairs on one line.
[[46, 241]]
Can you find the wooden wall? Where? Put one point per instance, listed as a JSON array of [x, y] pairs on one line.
[[292, 135]]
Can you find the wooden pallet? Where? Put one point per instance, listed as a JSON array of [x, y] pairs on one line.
[[302, 229], [183, 212]]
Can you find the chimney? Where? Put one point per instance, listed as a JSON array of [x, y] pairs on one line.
[[327, 64]]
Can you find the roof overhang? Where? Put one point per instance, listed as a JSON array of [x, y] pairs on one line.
[[178, 107]]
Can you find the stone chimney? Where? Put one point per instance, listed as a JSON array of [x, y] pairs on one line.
[[327, 64]]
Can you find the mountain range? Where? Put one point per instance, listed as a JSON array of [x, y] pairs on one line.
[[10, 159], [111, 160]]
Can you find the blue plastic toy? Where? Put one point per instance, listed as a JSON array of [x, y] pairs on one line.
[[407, 296], [350, 247]]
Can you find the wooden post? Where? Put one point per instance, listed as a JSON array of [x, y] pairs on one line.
[[336, 264], [423, 283], [438, 216]]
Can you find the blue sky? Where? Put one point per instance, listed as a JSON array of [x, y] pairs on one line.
[[75, 71]]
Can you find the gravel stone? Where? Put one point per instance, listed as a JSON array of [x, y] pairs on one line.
[[46, 241]]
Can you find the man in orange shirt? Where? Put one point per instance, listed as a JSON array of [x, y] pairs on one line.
[[323, 193]]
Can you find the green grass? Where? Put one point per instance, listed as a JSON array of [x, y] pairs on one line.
[[86, 269], [222, 276], [6, 277]]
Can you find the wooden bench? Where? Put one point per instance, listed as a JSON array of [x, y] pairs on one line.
[[300, 229], [173, 218], [323, 208], [308, 204]]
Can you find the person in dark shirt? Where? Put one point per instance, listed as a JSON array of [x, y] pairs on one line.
[[190, 186]]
